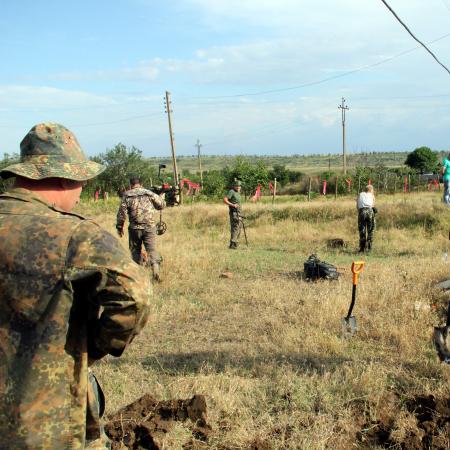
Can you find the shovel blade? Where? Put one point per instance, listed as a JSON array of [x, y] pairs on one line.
[[349, 327], [441, 340]]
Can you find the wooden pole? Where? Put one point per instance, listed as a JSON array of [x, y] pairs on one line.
[[409, 183], [199, 146], [336, 187], [395, 184], [172, 146], [274, 191], [309, 190], [359, 184]]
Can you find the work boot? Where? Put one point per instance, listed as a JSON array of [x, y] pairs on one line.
[[233, 245], [155, 270], [362, 247], [369, 246]]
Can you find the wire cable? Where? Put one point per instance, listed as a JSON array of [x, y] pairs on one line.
[[414, 37], [126, 119], [323, 80]]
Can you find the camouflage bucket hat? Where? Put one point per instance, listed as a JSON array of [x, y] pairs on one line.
[[237, 183], [50, 150]]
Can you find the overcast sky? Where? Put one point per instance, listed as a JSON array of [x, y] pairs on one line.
[[236, 70]]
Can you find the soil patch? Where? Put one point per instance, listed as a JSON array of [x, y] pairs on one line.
[[144, 423], [429, 427]]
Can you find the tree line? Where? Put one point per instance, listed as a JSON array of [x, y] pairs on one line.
[[122, 162]]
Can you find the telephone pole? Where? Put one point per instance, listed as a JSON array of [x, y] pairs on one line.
[[168, 110], [343, 108], [199, 146]]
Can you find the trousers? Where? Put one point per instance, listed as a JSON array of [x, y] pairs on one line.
[[366, 227], [146, 237]]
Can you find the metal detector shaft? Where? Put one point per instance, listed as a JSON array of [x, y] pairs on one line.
[[245, 232], [448, 315]]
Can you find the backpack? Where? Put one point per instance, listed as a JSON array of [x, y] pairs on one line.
[[314, 269]]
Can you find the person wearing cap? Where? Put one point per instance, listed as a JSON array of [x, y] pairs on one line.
[[69, 295], [233, 200], [140, 204]]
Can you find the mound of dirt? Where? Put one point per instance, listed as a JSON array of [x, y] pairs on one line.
[[430, 428], [144, 423]]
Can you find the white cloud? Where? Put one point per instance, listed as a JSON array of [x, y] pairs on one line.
[[38, 97]]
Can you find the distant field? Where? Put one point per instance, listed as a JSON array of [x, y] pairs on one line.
[[265, 346], [306, 164]]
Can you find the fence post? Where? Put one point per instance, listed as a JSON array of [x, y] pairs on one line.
[[409, 183], [359, 184], [336, 188], [309, 190], [274, 190]]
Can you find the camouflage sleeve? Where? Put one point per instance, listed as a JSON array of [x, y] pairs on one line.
[[114, 292], [121, 214], [158, 202]]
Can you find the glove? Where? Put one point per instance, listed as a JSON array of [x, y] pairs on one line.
[[119, 231]]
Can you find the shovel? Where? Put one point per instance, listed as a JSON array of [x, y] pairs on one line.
[[441, 339], [349, 326]]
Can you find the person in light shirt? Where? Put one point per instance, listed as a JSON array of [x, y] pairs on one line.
[[366, 218]]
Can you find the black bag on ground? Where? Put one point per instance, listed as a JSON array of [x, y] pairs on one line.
[[314, 269]]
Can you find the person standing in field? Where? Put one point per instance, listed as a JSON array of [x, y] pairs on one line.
[[69, 295], [446, 178], [233, 200], [366, 218], [140, 205]]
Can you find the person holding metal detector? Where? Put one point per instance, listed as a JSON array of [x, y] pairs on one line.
[[140, 204], [233, 200], [366, 218]]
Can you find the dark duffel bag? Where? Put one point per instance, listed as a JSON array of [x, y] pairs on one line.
[[315, 269]]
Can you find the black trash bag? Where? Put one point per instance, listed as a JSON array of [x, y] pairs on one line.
[[315, 269]]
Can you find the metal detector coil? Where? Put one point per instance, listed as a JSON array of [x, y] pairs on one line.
[[161, 228]]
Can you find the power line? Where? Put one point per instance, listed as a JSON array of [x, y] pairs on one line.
[[126, 119], [414, 37], [323, 80]]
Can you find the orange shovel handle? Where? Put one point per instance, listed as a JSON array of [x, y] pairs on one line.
[[357, 268]]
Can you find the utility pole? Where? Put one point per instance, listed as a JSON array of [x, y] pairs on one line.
[[168, 110], [343, 108], [199, 146]]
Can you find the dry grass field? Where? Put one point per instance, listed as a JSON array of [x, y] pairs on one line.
[[265, 347]]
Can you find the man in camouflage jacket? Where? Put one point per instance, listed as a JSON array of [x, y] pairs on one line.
[[140, 204], [69, 295]]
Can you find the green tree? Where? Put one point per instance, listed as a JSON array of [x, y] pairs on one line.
[[423, 159], [280, 172], [122, 163], [250, 174], [214, 184]]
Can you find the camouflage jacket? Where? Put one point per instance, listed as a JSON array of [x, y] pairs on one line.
[[140, 204], [69, 294]]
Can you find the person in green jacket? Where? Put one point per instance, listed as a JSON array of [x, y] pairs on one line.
[[446, 178], [233, 200], [69, 295]]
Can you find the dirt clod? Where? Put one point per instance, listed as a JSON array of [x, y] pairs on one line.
[[144, 423], [430, 428]]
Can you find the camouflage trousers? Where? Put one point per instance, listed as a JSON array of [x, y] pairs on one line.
[[235, 228], [147, 237], [366, 227]]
